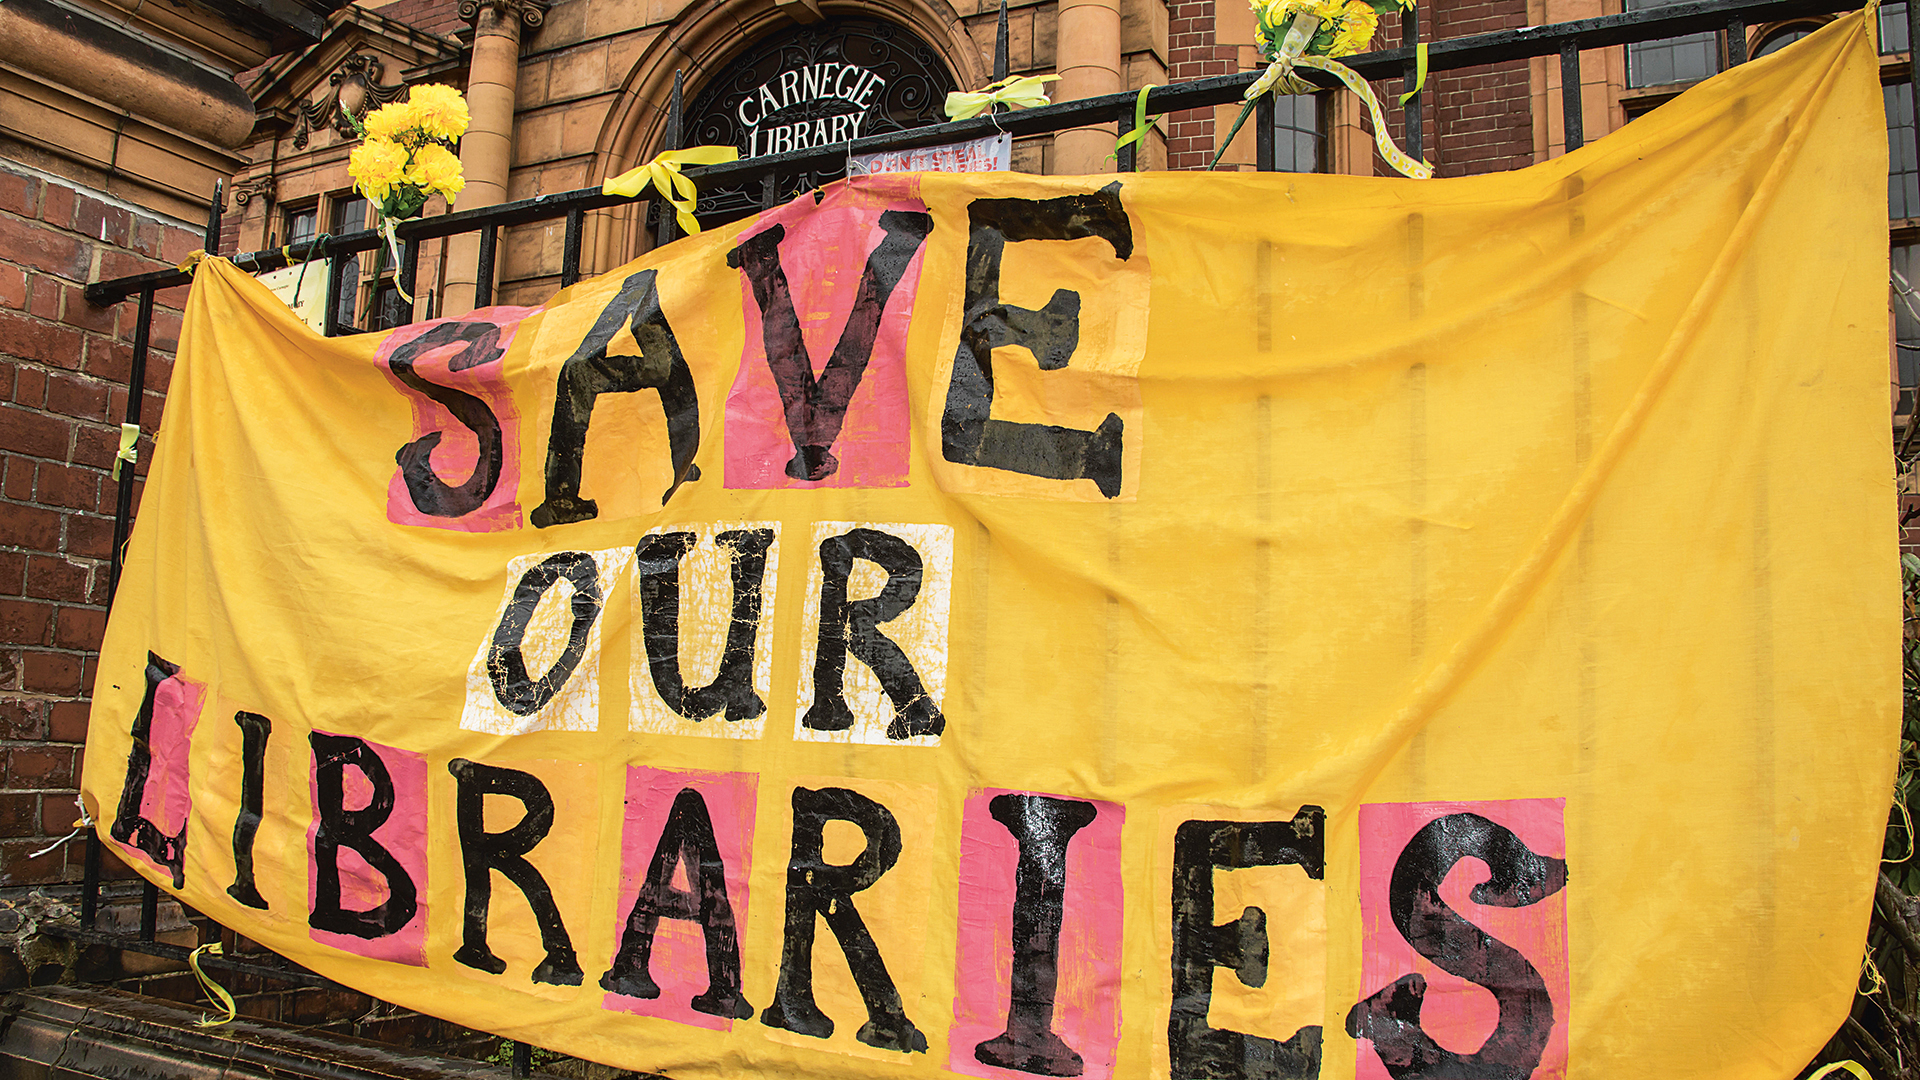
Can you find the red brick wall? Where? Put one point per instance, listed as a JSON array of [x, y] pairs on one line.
[[1194, 55], [1476, 120], [64, 366], [433, 16]]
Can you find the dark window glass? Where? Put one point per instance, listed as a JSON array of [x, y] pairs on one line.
[[389, 310], [1671, 60], [1903, 171], [1300, 133], [1780, 41], [302, 224], [1893, 28], [1906, 320], [349, 215]]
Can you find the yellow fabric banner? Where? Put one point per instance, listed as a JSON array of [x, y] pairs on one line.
[[1170, 625]]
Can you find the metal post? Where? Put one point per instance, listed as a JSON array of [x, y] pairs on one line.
[[336, 269], [570, 253], [409, 269], [149, 910], [1128, 154], [1736, 40], [1000, 46], [483, 276], [669, 228], [90, 884], [766, 191], [136, 394], [1570, 109], [1263, 149], [211, 242], [522, 1060], [1410, 37]]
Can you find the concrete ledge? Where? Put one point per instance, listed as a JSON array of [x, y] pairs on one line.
[[65, 1032]]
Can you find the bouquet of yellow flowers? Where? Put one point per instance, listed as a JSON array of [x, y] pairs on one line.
[[1312, 34], [406, 155], [1345, 26]]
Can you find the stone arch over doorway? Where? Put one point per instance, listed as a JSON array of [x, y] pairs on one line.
[[708, 35]]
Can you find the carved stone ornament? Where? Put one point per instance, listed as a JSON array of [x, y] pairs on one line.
[[355, 89], [530, 12], [245, 191]]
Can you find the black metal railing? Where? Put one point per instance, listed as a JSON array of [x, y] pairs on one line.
[[1567, 41]]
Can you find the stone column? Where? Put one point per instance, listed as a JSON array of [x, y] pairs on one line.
[[1087, 51], [486, 152]]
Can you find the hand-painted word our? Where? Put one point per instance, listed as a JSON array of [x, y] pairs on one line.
[[688, 861]]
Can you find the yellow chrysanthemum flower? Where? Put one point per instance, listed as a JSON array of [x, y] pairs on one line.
[[1357, 24], [376, 166], [388, 121], [439, 111], [435, 168]]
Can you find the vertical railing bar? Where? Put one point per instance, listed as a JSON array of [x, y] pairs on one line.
[[149, 910], [522, 1060], [1263, 148], [1124, 159], [766, 191], [483, 276], [409, 270], [1570, 109], [669, 227], [90, 883], [1000, 52], [211, 241], [1736, 40], [136, 395], [336, 269], [1411, 111], [570, 253]]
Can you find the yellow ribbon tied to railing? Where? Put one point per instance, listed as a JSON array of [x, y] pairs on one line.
[[663, 172], [215, 992], [1280, 77], [129, 453], [1015, 92]]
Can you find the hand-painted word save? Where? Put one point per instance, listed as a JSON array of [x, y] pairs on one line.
[[788, 417], [1041, 868]]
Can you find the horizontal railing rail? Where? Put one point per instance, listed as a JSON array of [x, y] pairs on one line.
[[1692, 16]]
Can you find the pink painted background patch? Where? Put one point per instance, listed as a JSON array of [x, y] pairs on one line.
[[824, 256], [1086, 1010], [404, 834], [1457, 1013], [166, 800], [458, 451], [679, 961]]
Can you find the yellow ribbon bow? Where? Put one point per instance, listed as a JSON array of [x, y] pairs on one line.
[[663, 172], [215, 992], [1015, 92], [129, 449]]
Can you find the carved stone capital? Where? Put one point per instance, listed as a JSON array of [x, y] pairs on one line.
[[531, 13]]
